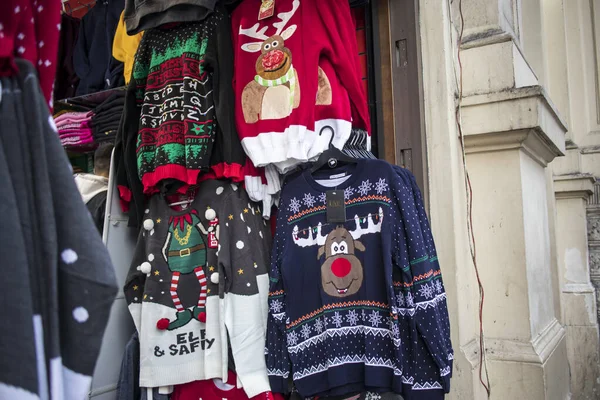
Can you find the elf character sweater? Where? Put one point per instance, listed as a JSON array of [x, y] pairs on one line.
[[358, 305], [178, 120], [198, 280], [295, 73]]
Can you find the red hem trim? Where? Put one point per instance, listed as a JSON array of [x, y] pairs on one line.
[[228, 171], [124, 197]]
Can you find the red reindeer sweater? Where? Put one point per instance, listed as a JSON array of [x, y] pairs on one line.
[[296, 73]]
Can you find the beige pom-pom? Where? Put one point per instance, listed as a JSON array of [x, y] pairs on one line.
[[148, 224], [210, 214], [214, 277], [146, 267]]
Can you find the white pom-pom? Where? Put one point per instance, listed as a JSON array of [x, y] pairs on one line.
[[214, 277], [210, 214], [148, 224], [146, 267]]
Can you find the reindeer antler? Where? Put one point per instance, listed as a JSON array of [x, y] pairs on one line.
[[318, 239], [285, 17], [372, 227], [254, 32]]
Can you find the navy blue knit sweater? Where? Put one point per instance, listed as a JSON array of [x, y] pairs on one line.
[[360, 305]]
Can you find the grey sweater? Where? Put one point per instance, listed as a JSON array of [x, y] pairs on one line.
[[58, 282]]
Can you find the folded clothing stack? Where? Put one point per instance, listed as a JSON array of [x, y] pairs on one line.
[[107, 115], [74, 129]]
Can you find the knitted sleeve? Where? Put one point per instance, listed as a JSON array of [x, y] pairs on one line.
[[419, 289], [128, 181], [228, 155], [337, 19], [80, 286], [243, 311], [278, 362]]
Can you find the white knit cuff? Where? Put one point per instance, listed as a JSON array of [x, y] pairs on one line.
[[254, 187], [273, 179], [255, 383]]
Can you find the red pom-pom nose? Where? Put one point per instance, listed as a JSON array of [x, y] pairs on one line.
[[341, 267], [162, 324], [272, 59], [202, 317]]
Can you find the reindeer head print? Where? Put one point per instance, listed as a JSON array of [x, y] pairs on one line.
[[341, 271], [275, 59], [274, 92]]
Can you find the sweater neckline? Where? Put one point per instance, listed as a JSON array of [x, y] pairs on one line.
[[354, 170], [168, 210]]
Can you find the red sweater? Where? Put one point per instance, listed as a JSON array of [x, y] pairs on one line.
[[209, 390], [296, 73], [29, 29]]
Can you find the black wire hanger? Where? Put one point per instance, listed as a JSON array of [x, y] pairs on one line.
[[332, 156]]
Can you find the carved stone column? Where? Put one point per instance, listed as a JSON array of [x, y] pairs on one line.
[[510, 137], [512, 131], [578, 297], [593, 219]]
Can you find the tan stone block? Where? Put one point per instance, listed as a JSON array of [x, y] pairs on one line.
[[582, 345], [579, 307]]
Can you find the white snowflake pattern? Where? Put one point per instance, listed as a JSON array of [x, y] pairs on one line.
[[381, 186], [292, 338], [400, 300], [276, 306], [438, 286], [305, 332], [372, 396], [375, 319], [427, 291], [337, 319], [309, 200], [323, 198], [352, 317], [409, 300], [365, 187], [318, 325], [395, 330], [348, 192], [390, 322], [294, 205]]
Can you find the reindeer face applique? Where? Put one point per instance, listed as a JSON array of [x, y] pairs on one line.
[[275, 60], [275, 91], [342, 270]]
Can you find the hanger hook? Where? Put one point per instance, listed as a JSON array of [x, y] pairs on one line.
[[332, 133]]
